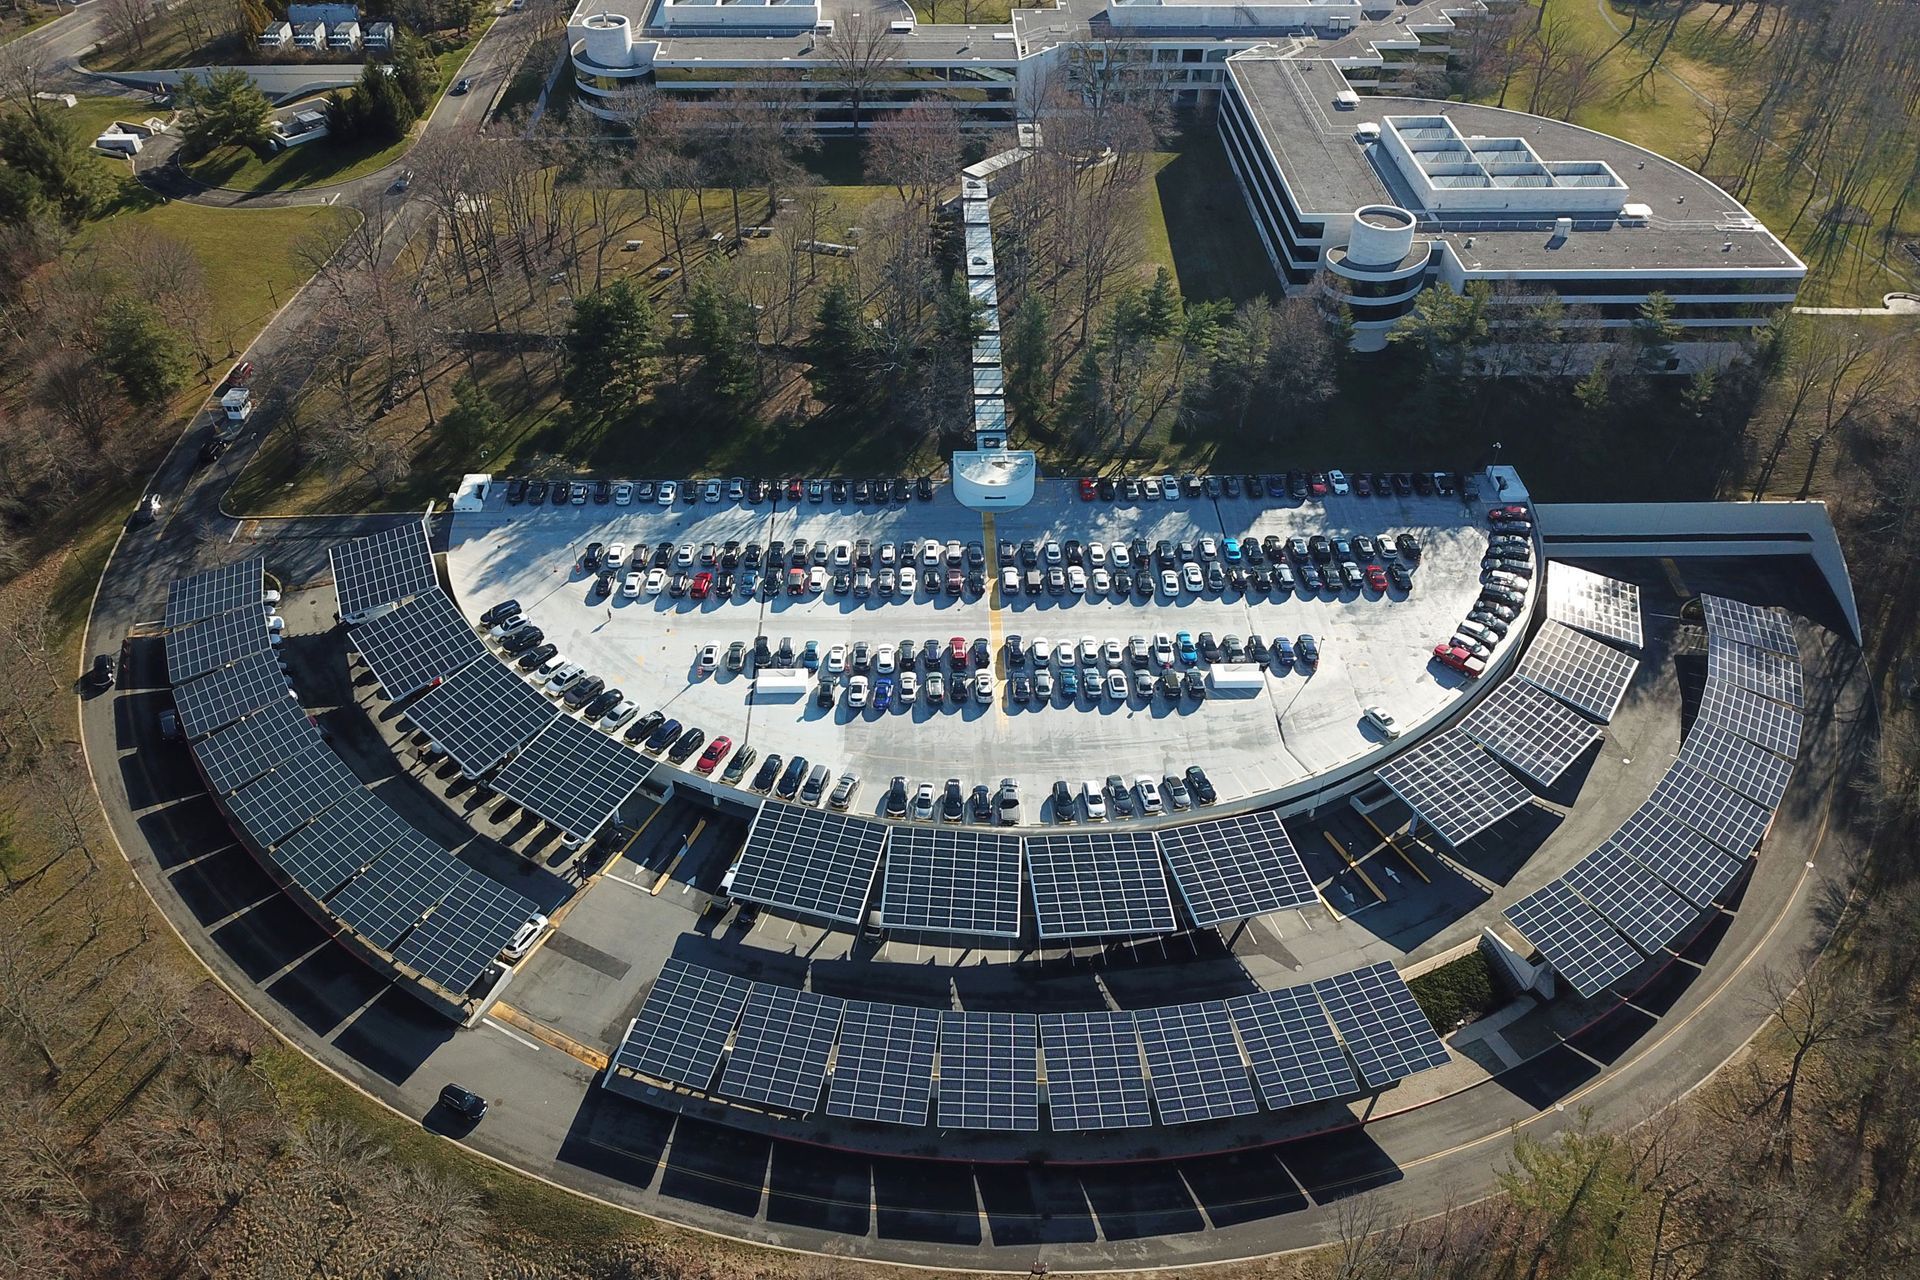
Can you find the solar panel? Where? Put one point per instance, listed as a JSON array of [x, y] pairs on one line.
[[1381, 1024], [457, 944], [1455, 786], [390, 565], [422, 641], [1750, 624], [1296, 1057], [1599, 605], [340, 843], [1684, 860], [817, 863], [1098, 884], [219, 699], [1747, 767], [987, 1071], [1631, 898], [779, 1058], [1769, 674], [573, 776], [481, 714], [388, 898], [1577, 669], [951, 880], [216, 591], [1193, 1062], [884, 1071], [1232, 868], [1094, 1075], [213, 642], [1575, 939], [243, 751], [300, 787], [1531, 731], [1771, 724], [1723, 816], [683, 1026]]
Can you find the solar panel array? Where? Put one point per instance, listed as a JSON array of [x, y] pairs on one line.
[[573, 776], [1232, 868], [1770, 724], [683, 1026], [243, 751], [1730, 820], [388, 898], [987, 1071], [1599, 605], [1094, 1075], [885, 1069], [203, 646], [817, 863], [218, 699], [951, 880], [1295, 1055], [779, 1057], [1193, 1063], [219, 590], [340, 844], [1747, 767], [1098, 884], [1381, 1024], [1763, 628], [1577, 669], [464, 935], [1531, 731], [1772, 675], [422, 641], [481, 715], [1455, 786], [1683, 859], [388, 566], [1631, 898], [1575, 939], [274, 805]]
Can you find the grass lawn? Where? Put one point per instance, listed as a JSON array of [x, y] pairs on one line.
[[18, 22], [1194, 223], [316, 164], [998, 12]]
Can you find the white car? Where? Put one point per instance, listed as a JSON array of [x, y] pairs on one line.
[[1076, 580], [622, 494], [836, 659], [544, 672], [619, 715], [497, 630], [1338, 480], [1209, 548], [1169, 488], [1150, 802], [983, 685], [683, 558], [1089, 651], [956, 554], [930, 554], [910, 580], [1191, 578], [1110, 653], [841, 556], [1099, 581], [1050, 553], [563, 675], [1385, 723], [883, 662], [816, 580], [631, 584], [1117, 685], [656, 581], [1096, 803], [909, 687], [1150, 487], [523, 938], [712, 491], [1009, 582], [615, 557], [1097, 554], [1042, 650], [857, 690], [1169, 582], [1122, 558], [666, 493], [709, 660], [1163, 649]]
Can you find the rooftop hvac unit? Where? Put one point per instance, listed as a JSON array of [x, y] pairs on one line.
[[1368, 132], [1635, 215]]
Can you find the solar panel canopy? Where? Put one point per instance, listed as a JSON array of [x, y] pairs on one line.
[[1772, 675], [386, 567], [1455, 786], [779, 1057], [1682, 858], [1381, 1024], [1098, 884], [951, 880], [1578, 670], [1599, 605], [988, 1064], [884, 1071], [340, 843], [573, 776], [807, 860], [1635, 902], [221, 590], [1746, 714], [1193, 1063], [463, 937], [243, 751], [1747, 767], [422, 641], [202, 646], [221, 697], [1233, 868], [1723, 816], [1094, 1075], [272, 806], [1764, 628], [1536, 734], [1575, 939], [683, 1026], [388, 898], [1296, 1057], [481, 714]]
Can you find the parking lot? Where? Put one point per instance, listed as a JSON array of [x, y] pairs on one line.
[[1289, 726]]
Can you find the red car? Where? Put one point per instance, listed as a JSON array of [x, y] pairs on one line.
[[795, 491], [1513, 512], [957, 653], [1459, 659], [715, 752], [1086, 488], [702, 584], [1318, 485], [796, 582], [238, 376], [1376, 578]]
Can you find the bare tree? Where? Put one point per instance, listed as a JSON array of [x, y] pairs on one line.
[[860, 52]]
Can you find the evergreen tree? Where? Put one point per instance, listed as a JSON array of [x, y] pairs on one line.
[[146, 353], [1160, 307], [1443, 327], [1654, 333], [718, 329], [47, 166], [226, 109], [414, 70], [474, 419], [838, 350], [1027, 354], [611, 345], [1084, 406], [1595, 391]]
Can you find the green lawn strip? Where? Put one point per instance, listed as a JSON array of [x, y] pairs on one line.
[[18, 23], [1458, 991], [316, 164], [982, 12], [1194, 223]]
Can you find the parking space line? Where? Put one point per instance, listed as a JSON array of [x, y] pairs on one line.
[[1395, 846], [1355, 867], [510, 1034], [675, 861], [995, 627], [547, 1035]]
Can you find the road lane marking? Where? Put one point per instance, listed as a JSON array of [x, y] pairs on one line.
[[511, 1034]]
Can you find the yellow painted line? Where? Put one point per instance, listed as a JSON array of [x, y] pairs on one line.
[[548, 1036], [995, 655], [1395, 846], [1357, 868], [1672, 570], [667, 875]]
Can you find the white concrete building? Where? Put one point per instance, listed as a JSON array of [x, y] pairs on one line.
[[343, 36], [277, 35], [310, 37]]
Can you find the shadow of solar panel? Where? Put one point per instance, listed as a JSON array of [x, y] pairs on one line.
[[1531, 731], [378, 570], [1763, 628], [274, 805], [573, 776], [1772, 675], [1578, 670], [1730, 820], [817, 863], [1193, 1062], [1681, 858], [988, 1066], [340, 843], [951, 880], [243, 751], [214, 642], [1455, 786], [1098, 884], [216, 700], [1631, 898], [462, 938], [779, 1058], [1381, 1024], [1575, 939], [481, 714], [1747, 767], [422, 641], [684, 1024], [1094, 1074], [1232, 868], [884, 1071], [1746, 714], [1602, 606], [1296, 1057], [221, 590], [389, 897]]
